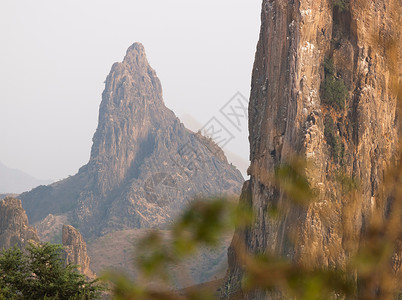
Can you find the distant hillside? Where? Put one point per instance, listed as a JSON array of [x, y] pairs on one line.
[[16, 181]]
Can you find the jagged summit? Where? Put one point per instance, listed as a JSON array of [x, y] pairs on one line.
[[144, 166], [136, 63], [136, 50]]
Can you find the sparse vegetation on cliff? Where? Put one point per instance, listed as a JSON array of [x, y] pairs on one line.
[[332, 138], [341, 4], [334, 93], [333, 87]]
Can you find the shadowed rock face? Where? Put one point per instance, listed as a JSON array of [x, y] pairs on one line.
[[145, 165], [75, 250], [14, 227], [287, 117]]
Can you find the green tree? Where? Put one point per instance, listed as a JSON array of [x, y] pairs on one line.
[[40, 273], [13, 273], [333, 139]]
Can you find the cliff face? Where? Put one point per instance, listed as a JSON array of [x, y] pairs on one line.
[[145, 165], [132, 109], [75, 250], [14, 227], [323, 88]]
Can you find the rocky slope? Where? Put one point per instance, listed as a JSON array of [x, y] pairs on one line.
[[115, 251], [323, 87], [75, 250], [14, 227], [145, 165]]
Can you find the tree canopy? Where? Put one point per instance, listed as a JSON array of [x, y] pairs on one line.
[[40, 273]]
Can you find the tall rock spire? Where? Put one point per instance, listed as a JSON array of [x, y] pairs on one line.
[[132, 109], [145, 166]]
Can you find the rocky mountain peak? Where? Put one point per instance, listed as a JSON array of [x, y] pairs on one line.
[[145, 166], [133, 75], [14, 227], [132, 110], [136, 48], [135, 55]]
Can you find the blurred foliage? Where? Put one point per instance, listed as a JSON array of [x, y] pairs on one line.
[[204, 222], [368, 273], [40, 273]]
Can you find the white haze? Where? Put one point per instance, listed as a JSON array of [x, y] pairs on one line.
[[55, 56]]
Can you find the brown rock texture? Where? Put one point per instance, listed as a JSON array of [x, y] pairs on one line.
[[75, 250], [145, 166], [14, 227], [50, 229], [289, 117]]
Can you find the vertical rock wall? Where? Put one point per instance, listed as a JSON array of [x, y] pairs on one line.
[[290, 115]]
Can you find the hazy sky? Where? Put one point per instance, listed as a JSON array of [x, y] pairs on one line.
[[55, 56]]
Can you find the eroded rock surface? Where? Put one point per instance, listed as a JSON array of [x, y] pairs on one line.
[[14, 227], [302, 43], [75, 250], [50, 228]]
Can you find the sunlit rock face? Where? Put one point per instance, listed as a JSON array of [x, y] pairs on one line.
[[14, 227], [75, 250], [289, 117], [145, 166]]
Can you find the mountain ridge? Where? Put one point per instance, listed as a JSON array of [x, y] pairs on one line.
[[14, 181]]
